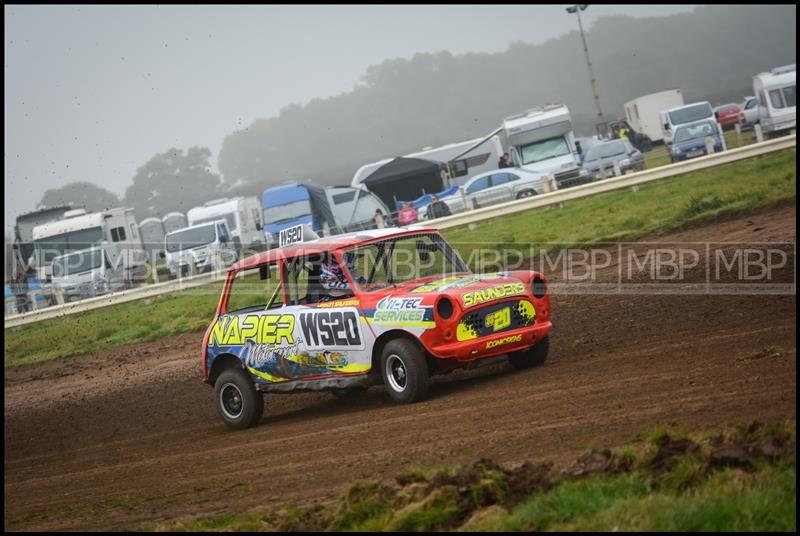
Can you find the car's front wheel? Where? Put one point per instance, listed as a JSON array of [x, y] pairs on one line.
[[532, 357], [405, 371], [236, 399]]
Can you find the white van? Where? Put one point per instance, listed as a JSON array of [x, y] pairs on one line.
[[683, 115], [242, 215], [777, 99], [87, 273], [199, 248]]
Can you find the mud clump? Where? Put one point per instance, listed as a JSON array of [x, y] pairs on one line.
[[597, 462], [669, 451]]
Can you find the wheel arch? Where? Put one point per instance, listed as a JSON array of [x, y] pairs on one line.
[[381, 342], [221, 363]]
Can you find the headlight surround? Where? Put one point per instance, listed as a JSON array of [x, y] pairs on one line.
[[625, 162], [445, 308], [538, 287], [583, 172]]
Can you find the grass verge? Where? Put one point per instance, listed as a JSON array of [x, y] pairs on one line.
[[730, 189], [739, 479]]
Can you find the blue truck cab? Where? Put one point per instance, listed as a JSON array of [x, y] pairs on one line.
[[288, 205]]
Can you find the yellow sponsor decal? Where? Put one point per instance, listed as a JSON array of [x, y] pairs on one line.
[[499, 319], [505, 340], [261, 329], [492, 293], [464, 332], [339, 303], [436, 283]]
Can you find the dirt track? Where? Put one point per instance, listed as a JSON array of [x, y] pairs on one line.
[[129, 437]]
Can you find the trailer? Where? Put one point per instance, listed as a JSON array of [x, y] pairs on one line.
[[642, 112], [777, 99]]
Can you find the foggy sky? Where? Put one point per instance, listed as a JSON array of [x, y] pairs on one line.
[[93, 92]]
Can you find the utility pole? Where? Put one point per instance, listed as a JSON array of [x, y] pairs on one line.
[[577, 8]]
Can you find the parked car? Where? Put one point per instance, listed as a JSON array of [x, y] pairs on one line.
[[385, 307], [497, 186], [601, 157], [690, 140], [729, 115], [750, 110]]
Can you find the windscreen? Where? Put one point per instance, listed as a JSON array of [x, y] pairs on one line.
[[398, 260], [49, 248], [77, 263], [544, 150], [691, 113], [691, 132], [190, 238], [605, 150], [286, 212]]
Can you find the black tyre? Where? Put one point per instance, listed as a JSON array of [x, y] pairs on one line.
[[405, 371], [532, 357], [526, 193], [350, 392], [236, 399]]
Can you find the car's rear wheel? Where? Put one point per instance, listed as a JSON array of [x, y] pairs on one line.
[[532, 357], [236, 399], [525, 193], [405, 371]]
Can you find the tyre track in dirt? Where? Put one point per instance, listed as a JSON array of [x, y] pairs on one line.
[[138, 441]]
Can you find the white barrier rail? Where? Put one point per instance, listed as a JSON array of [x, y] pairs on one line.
[[458, 220]]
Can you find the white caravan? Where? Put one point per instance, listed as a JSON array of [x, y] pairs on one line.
[[87, 273], [354, 208], [541, 140], [642, 113], [777, 99], [199, 248], [79, 230], [242, 215], [672, 118]]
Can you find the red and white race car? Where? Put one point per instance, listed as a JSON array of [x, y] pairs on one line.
[[390, 306]]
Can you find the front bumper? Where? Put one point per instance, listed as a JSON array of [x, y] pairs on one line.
[[493, 345]]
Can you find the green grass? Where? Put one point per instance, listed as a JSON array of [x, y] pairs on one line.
[[735, 188], [695, 494]]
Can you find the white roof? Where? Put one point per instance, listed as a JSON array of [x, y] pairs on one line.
[[68, 225]]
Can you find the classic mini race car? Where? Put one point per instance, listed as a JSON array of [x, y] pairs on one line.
[[390, 306]]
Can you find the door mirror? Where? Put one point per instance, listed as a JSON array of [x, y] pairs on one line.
[[259, 227], [263, 272], [161, 255], [666, 126]]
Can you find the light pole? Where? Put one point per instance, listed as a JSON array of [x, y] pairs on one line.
[[577, 8]]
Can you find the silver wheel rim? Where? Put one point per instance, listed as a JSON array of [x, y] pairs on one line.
[[396, 373], [231, 401]]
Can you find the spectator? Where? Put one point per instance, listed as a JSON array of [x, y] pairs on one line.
[[505, 161], [407, 214], [379, 221], [437, 209], [579, 150]]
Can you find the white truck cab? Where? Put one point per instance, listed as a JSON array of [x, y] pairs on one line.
[[88, 273], [541, 140], [199, 248], [683, 115]]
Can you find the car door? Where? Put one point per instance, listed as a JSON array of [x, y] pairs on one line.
[[331, 337], [499, 189], [475, 191]]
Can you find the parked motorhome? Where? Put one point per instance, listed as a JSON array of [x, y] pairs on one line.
[[642, 112], [79, 230], [242, 215], [354, 208], [541, 140], [777, 99]]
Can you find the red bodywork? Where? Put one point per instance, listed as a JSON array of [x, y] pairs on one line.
[[729, 116], [440, 340]]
